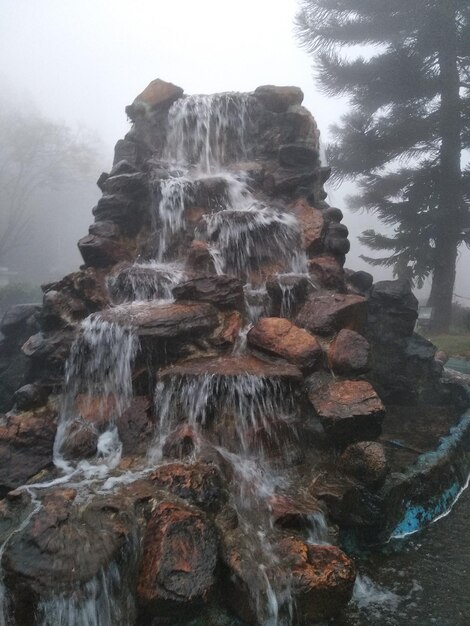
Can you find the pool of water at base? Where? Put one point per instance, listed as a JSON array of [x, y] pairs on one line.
[[425, 583]]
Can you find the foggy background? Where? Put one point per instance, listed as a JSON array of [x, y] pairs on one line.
[[81, 62]]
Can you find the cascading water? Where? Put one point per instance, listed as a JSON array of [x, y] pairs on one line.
[[98, 377], [174, 193], [145, 281]]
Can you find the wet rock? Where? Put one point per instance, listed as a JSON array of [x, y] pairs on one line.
[[199, 483], [293, 513], [181, 443], [232, 366], [165, 321], [135, 427], [359, 282], [328, 314], [229, 332], [130, 184], [279, 337], [99, 251], [199, 258], [177, 570], [80, 441], [224, 292], [29, 397], [26, 445], [311, 224], [327, 271], [349, 410], [298, 155], [122, 210], [366, 461], [287, 293], [49, 352], [17, 316], [322, 579], [278, 99], [349, 353], [393, 309], [158, 93]]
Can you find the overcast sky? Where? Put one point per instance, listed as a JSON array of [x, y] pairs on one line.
[[83, 61]]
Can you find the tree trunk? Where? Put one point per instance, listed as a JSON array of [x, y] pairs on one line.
[[450, 195]]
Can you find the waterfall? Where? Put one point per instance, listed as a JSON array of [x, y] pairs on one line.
[[98, 372], [145, 281]]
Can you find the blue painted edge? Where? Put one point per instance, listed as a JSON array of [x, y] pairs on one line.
[[417, 517]]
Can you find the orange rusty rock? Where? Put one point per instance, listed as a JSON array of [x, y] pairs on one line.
[[349, 353], [279, 337], [200, 483], [232, 323], [330, 313], [349, 410], [159, 92], [311, 224], [322, 578], [328, 271], [177, 570], [97, 410], [232, 366]]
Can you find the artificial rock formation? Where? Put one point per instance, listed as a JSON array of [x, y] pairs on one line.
[[210, 370]]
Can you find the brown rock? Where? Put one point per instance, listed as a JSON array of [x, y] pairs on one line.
[[224, 292], [287, 293], [165, 321], [232, 366], [178, 564], [311, 224], [279, 337], [322, 578], [278, 99], [199, 258], [349, 410], [26, 445], [135, 427], [99, 251], [289, 513], [328, 314], [158, 93], [199, 483], [180, 443], [232, 323], [327, 271], [366, 461], [349, 353]]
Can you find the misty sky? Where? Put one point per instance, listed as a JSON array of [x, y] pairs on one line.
[[82, 61]]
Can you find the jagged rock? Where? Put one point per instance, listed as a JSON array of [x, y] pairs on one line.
[[366, 461], [232, 366], [349, 410], [199, 258], [293, 513], [122, 210], [393, 309], [328, 314], [278, 99], [123, 167], [311, 223], [224, 292], [322, 579], [349, 353], [199, 483], [287, 293], [49, 352], [327, 272], [132, 185], [279, 337], [181, 443], [165, 321], [99, 251], [177, 571], [26, 442], [229, 332], [298, 155]]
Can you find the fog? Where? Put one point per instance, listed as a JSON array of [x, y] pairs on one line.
[[80, 63]]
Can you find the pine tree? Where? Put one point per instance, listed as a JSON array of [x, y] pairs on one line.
[[405, 67]]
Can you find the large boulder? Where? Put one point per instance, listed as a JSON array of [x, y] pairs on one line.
[[328, 314], [223, 292], [350, 410], [366, 461], [279, 337], [349, 353], [158, 93], [177, 570], [278, 99]]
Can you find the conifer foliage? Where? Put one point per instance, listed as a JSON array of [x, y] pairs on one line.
[[405, 67]]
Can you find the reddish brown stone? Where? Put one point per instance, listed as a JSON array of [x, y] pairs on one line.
[[349, 410], [180, 443], [311, 224], [279, 337], [328, 314], [159, 93], [199, 258], [179, 558], [232, 366], [224, 292], [102, 252], [349, 353], [165, 321], [366, 461], [279, 99], [26, 443], [135, 427], [289, 513], [200, 483], [327, 271], [322, 578], [232, 323]]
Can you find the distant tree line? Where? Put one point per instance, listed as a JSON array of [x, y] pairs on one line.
[[405, 67]]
